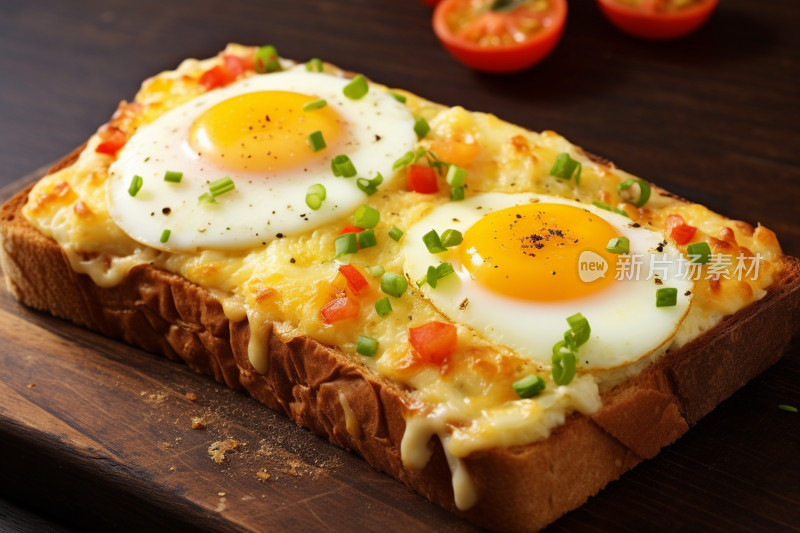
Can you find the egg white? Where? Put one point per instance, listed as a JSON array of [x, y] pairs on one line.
[[378, 130], [626, 324]]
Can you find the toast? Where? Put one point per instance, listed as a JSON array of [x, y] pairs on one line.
[[519, 488]]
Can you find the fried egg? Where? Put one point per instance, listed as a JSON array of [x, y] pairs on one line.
[[256, 133], [527, 262]]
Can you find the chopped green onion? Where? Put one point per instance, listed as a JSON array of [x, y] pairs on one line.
[[619, 245], [457, 193], [456, 176], [366, 216], [421, 127], [666, 297], [644, 190], [383, 306], [315, 196], [699, 252], [565, 167], [342, 166], [366, 346], [314, 65], [564, 351], [136, 185], [173, 176], [206, 198], [316, 104], [563, 365], [399, 97], [580, 329], [366, 238], [529, 386], [376, 271], [435, 273], [430, 277], [266, 60], [395, 233], [221, 186], [603, 205], [444, 270], [316, 141], [369, 187], [394, 284], [433, 243], [165, 235], [408, 158], [422, 280], [346, 243], [790, 408], [357, 88], [451, 237]]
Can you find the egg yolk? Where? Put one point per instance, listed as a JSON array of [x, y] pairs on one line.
[[535, 252], [264, 131]]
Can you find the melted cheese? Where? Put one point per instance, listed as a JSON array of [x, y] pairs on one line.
[[282, 286]]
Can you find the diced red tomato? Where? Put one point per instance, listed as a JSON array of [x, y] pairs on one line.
[[220, 75], [355, 279], [114, 140], [235, 65], [420, 178], [679, 230], [434, 341], [340, 309], [350, 229]]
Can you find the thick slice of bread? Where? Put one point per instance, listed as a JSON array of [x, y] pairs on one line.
[[520, 489]]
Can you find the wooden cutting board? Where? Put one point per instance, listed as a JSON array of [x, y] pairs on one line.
[[105, 436]]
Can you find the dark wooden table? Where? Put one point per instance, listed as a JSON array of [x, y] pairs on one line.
[[714, 117]]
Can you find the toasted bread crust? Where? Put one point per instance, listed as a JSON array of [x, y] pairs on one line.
[[523, 488]]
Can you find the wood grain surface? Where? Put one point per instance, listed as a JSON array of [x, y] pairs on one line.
[[95, 435]]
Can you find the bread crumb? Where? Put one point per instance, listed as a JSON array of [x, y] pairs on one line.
[[262, 475], [218, 450], [220, 494], [293, 465], [198, 423], [31, 385], [192, 397], [172, 469]]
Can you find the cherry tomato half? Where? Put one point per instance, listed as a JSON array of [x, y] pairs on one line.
[[500, 35], [657, 20]]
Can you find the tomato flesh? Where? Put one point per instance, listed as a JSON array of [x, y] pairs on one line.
[[114, 140], [492, 39], [355, 279], [434, 341], [422, 179], [658, 20], [340, 309], [679, 230]]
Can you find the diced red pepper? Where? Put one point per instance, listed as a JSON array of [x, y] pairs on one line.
[[340, 309], [355, 279], [350, 229], [422, 179], [113, 141], [679, 230], [216, 76], [434, 341]]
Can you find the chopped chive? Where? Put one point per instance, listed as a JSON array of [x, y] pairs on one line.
[[369, 186], [316, 104], [435, 273], [579, 326], [136, 185], [408, 158], [603, 205], [563, 364], [383, 306], [173, 176], [221, 186], [644, 190], [565, 167], [395, 233], [431, 277], [366, 216], [433, 243], [357, 88], [666, 297], [529, 386], [699, 252], [376, 271], [619, 245], [444, 270], [457, 193], [422, 280], [456, 176], [165, 235], [451, 237], [315, 196], [314, 65], [421, 127], [346, 243], [316, 141], [399, 97], [790, 408], [206, 198], [266, 60], [342, 166], [366, 346], [394, 284], [366, 238]]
